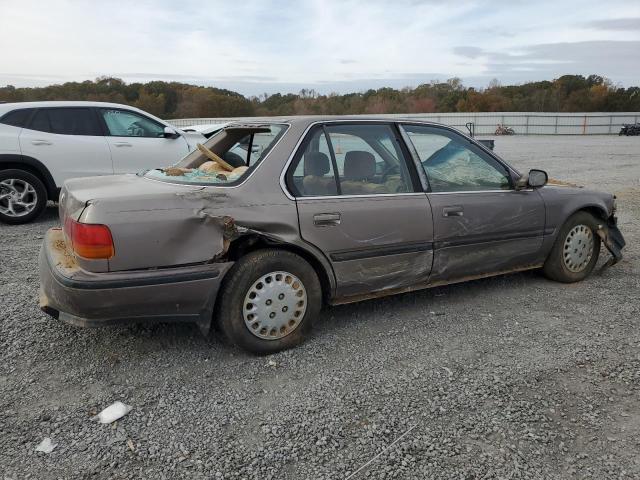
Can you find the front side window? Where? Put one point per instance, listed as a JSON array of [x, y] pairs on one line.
[[350, 159], [66, 121], [452, 164], [123, 123]]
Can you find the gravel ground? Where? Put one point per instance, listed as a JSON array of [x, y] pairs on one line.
[[510, 377]]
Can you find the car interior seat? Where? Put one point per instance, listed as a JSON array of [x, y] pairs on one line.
[[359, 169], [316, 166]]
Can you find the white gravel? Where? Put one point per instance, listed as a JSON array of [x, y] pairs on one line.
[[510, 377]]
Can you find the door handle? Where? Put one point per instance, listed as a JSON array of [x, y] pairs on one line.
[[454, 211], [326, 219], [122, 144], [40, 142]]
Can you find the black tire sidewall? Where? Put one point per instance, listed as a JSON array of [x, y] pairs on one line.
[[38, 186], [241, 276], [555, 267]]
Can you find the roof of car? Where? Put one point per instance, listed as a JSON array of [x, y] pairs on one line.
[[5, 107], [310, 119]]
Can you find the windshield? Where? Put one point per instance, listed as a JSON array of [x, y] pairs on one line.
[[224, 159]]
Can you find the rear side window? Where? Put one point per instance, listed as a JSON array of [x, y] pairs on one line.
[[66, 121], [17, 118], [350, 159]]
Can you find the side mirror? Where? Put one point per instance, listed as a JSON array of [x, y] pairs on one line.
[[534, 179], [537, 178], [170, 133]]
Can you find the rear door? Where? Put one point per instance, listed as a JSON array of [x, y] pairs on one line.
[[68, 141], [482, 224], [359, 201], [137, 142]]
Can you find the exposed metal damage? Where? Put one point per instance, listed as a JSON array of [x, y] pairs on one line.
[[613, 240]]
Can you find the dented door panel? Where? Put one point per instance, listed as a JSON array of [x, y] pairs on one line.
[[378, 242], [484, 232]]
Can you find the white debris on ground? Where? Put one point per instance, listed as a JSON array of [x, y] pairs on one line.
[[113, 412], [46, 445]]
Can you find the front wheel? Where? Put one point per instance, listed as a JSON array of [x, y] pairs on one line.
[[23, 197], [575, 252], [269, 301]]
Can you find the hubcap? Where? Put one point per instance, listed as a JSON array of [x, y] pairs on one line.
[[578, 248], [17, 197], [275, 305]]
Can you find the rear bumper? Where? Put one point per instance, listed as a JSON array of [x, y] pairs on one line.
[[86, 299]]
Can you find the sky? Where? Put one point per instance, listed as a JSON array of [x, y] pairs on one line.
[[269, 46]]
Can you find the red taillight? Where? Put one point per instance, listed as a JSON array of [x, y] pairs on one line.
[[88, 240]]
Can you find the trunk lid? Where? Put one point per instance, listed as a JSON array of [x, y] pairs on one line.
[[153, 224]]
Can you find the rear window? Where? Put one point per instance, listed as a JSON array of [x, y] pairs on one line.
[[17, 118], [224, 159]]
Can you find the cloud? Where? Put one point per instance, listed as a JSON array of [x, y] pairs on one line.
[[270, 45], [630, 24], [469, 52]]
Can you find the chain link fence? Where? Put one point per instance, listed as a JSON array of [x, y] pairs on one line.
[[523, 123]]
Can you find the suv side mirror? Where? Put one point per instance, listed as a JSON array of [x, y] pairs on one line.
[[170, 133], [537, 178]]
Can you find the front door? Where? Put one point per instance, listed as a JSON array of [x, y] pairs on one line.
[[138, 142], [362, 206], [482, 225]]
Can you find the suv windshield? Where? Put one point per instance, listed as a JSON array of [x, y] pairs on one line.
[[225, 158]]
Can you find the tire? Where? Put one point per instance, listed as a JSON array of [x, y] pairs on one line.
[[19, 188], [277, 319], [575, 251]]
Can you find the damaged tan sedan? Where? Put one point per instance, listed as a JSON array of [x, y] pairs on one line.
[[265, 222]]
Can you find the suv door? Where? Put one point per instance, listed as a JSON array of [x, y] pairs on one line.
[[359, 202], [68, 141], [138, 142], [481, 223]]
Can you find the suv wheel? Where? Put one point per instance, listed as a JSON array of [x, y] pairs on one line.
[[23, 196], [576, 250], [268, 301]]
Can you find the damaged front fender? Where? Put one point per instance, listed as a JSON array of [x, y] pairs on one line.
[[613, 240]]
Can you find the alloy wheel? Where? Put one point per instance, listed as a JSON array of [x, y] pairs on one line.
[[17, 197]]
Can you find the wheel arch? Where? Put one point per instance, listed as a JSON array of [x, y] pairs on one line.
[[597, 211], [33, 166], [249, 243]]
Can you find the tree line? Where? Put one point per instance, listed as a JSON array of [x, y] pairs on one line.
[[569, 93]]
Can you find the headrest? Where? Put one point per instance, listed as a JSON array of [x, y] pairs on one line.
[[316, 163], [359, 165]]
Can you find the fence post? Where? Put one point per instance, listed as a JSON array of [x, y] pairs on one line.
[[556, 129], [526, 128], [611, 124]]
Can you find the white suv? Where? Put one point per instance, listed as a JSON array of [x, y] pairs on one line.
[[42, 144]]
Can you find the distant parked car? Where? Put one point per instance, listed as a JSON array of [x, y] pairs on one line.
[[630, 129], [330, 210], [42, 144]]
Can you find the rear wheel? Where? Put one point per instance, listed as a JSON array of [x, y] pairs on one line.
[[23, 196], [575, 253], [269, 301]]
